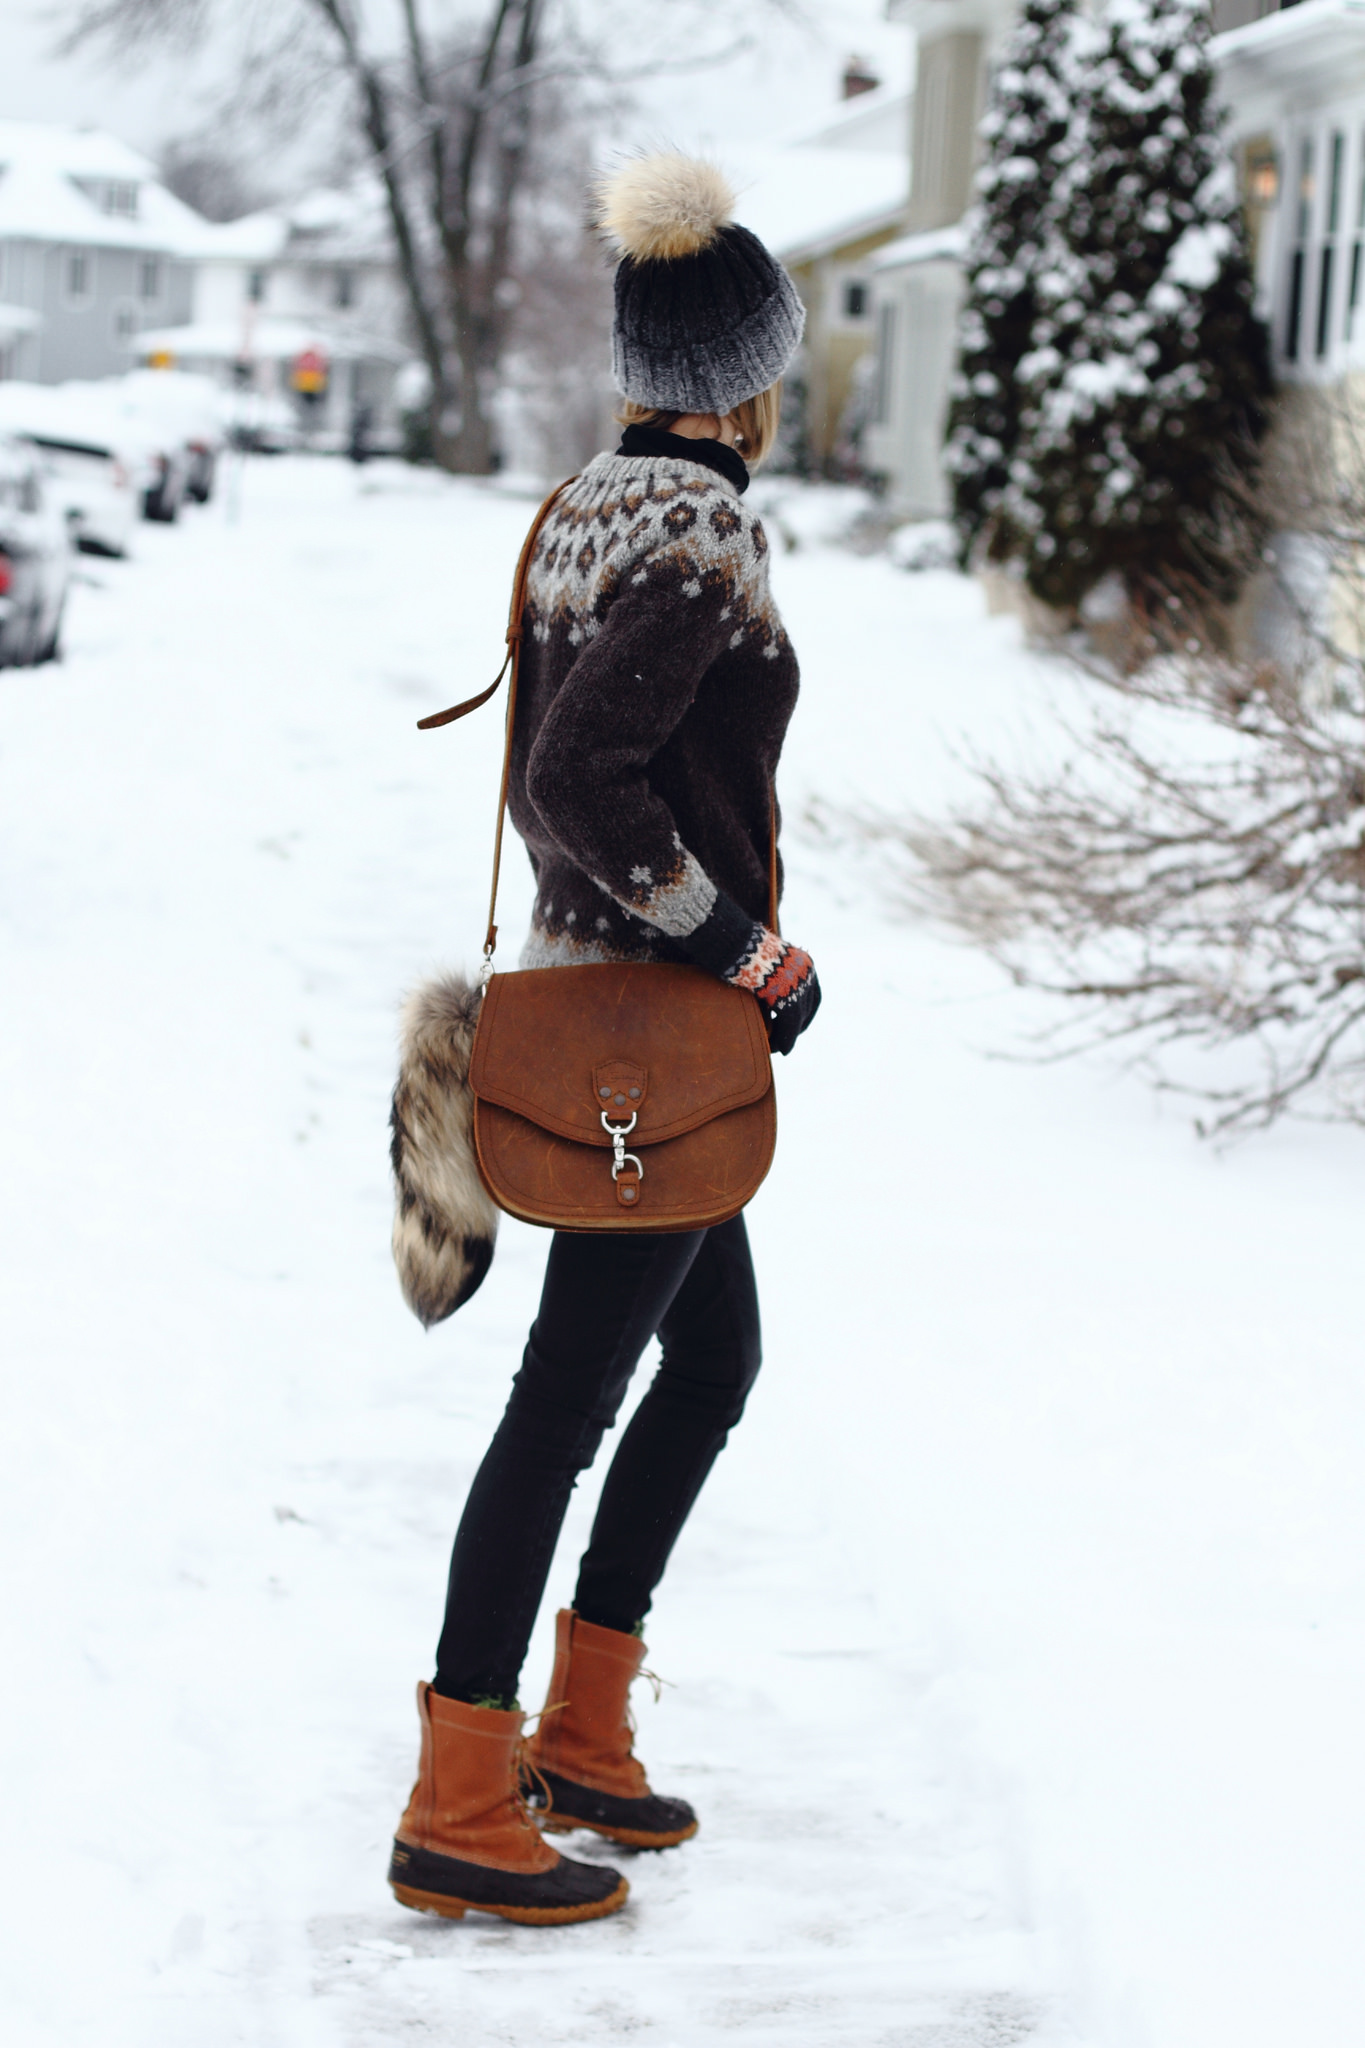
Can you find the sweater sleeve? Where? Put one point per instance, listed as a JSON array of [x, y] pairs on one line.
[[673, 613]]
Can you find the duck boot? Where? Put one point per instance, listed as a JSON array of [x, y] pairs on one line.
[[582, 1750], [467, 1843]]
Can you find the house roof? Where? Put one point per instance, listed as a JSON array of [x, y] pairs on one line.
[[930, 245], [346, 225], [829, 185], [1319, 42], [50, 178], [269, 339]]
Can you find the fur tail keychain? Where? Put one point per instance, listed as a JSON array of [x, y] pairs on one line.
[[444, 1224]]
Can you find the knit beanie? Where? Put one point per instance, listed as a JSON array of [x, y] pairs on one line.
[[705, 317]]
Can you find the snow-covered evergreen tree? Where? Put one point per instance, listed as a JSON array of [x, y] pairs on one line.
[[1142, 396], [1033, 103]]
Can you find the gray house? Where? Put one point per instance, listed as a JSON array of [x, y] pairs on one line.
[[93, 249]]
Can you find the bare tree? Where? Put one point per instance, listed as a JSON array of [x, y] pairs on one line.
[[210, 178], [1192, 876], [446, 125], [449, 117]]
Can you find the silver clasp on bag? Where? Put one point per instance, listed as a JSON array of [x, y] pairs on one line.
[[618, 1133]]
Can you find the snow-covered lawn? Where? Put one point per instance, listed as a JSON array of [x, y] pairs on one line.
[[1018, 1644]]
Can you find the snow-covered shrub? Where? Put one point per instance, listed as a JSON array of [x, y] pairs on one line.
[[847, 463], [798, 514], [1189, 872], [923, 544], [791, 452], [1141, 394], [1025, 147]]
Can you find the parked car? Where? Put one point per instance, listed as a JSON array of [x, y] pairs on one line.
[[35, 559], [160, 457], [190, 410], [97, 476]]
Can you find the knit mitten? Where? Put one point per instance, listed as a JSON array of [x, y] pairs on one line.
[[748, 955]]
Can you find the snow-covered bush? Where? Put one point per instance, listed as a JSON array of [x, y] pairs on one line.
[[1190, 874], [1143, 392], [1025, 147], [1130, 412], [923, 544]]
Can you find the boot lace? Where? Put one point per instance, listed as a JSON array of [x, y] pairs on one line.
[[525, 1769]]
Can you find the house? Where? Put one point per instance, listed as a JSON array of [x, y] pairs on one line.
[[916, 280], [302, 300], [93, 249], [824, 201], [1293, 80]]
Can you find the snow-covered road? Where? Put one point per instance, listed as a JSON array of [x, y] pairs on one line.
[[1018, 1644]]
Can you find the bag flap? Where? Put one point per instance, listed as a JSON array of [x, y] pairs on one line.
[[671, 1046]]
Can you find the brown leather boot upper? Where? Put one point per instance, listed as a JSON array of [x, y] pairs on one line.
[[585, 1733], [466, 1801]]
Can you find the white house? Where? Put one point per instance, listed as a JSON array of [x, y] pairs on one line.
[[1293, 80], [315, 282], [824, 200], [93, 248], [917, 279]]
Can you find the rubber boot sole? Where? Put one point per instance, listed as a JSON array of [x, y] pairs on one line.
[[652, 1822], [529, 1916], [629, 1838]]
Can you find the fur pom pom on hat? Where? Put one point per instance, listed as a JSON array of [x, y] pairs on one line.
[[705, 317], [657, 208]]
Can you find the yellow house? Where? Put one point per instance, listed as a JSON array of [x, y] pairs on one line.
[[824, 202]]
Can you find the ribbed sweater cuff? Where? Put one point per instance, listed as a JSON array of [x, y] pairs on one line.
[[723, 938]]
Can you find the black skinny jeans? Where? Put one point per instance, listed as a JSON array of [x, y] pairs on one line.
[[604, 1298]]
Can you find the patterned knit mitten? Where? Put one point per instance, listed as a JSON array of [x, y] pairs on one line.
[[735, 949], [785, 982]]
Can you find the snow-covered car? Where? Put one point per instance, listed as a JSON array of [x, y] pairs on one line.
[[94, 470], [157, 454], [189, 410], [35, 559]]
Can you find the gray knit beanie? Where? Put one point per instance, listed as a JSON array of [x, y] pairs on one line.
[[705, 317]]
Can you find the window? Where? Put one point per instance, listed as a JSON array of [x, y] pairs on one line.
[[1325, 260], [120, 197], [343, 289], [886, 342], [76, 276], [855, 301], [256, 281], [1353, 293], [1302, 220], [126, 324], [149, 277]]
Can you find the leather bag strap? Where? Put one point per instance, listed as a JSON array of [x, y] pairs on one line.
[[512, 661]]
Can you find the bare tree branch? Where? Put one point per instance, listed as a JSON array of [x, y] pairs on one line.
[[1191, 879]]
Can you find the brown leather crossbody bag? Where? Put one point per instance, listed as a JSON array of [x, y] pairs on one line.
[[612, 1096]]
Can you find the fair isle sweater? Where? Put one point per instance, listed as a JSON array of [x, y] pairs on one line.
[[656, 685]]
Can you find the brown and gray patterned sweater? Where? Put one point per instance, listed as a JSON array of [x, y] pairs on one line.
[[655, 690]]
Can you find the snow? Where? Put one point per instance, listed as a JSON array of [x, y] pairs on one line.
[[1017, 1647], [1198, 255]]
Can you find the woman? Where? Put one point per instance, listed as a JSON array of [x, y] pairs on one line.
[[655, 688]]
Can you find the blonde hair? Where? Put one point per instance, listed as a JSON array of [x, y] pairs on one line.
[[755, 421]]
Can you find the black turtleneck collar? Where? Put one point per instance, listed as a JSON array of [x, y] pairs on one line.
[[726, 462]]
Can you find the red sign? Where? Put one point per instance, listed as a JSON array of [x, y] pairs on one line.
[[309, 374]]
